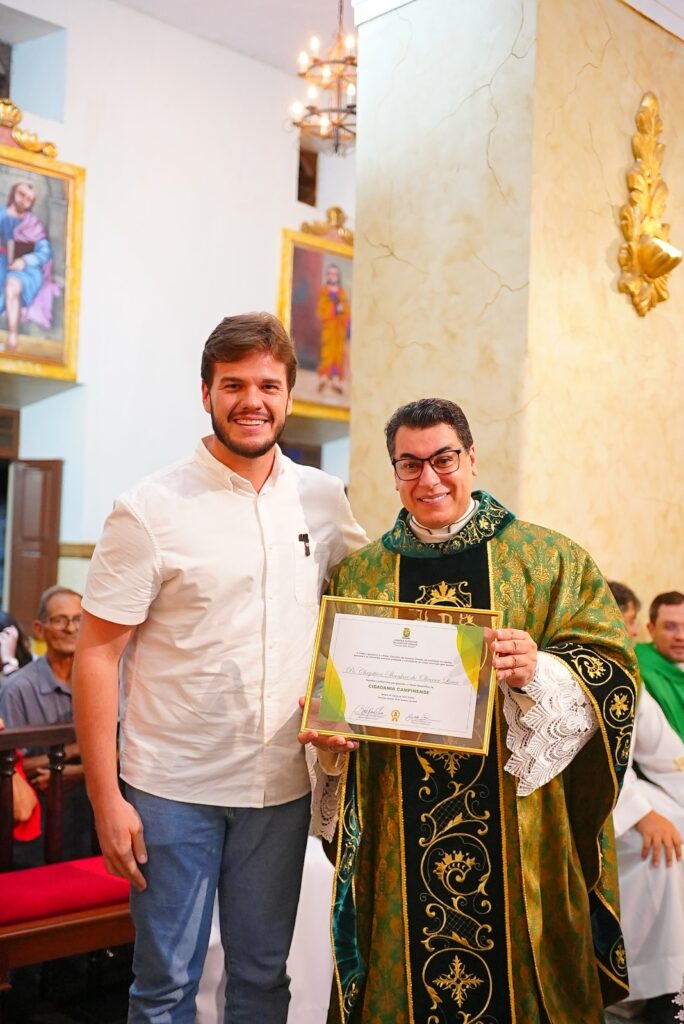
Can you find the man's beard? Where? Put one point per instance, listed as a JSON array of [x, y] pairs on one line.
[[243, 450]]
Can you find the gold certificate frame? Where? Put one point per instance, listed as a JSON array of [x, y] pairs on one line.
[[423, 673]]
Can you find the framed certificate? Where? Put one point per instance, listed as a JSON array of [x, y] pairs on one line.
[[392, 672]]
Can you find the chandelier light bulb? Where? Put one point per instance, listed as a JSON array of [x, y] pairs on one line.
[[324, 124], [326, 72], [297, 110], [351, 92], [303, 60], [312, 93], [315, 45], [350, 44]]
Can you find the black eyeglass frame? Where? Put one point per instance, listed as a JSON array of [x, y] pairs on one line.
[[435, 455], [66, 621]]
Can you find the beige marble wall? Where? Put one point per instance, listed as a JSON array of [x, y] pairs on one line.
[[493, 145], [604, 430], [443, 230]]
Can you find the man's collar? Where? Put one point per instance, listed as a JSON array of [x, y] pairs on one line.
[[490, 519], [436, 536], [47, 680], [230, 477]]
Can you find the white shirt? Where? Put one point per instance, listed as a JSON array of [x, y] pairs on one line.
[[225, 597]]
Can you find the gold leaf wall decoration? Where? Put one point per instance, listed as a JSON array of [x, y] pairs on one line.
[[10, 116], [646, 257]]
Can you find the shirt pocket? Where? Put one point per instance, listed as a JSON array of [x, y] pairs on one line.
[[310, 571]]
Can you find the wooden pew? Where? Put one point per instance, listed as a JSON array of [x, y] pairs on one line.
[[63, 907]]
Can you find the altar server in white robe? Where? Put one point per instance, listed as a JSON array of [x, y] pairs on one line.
[[649, 826]]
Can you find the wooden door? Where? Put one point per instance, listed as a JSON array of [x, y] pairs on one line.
[[35, 494]]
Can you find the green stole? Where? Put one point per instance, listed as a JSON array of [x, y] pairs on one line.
[[444, 877], [665, 682]]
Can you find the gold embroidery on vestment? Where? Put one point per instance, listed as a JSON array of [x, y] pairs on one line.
[[446, 593], [458, 981], [455, 859]]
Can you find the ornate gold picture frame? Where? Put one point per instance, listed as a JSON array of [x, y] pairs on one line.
[[315, 305], [41, 226]]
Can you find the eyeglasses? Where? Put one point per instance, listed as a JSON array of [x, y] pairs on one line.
[[443, 463], [63, 621]]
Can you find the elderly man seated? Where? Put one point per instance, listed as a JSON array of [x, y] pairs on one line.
[[649, 817], [40, 694]]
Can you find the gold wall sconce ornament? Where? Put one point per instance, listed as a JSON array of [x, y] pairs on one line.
[[333, 227], [10, 117], [646, 257]]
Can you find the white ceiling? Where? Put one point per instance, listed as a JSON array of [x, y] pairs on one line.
[[668, 13], [272, 31]]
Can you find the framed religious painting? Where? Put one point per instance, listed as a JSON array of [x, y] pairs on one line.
[[41, 218], [315, 304]]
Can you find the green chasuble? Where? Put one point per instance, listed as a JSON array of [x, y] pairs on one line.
[[455, 900], [665, 682]]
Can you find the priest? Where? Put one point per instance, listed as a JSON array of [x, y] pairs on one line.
[[474, 888]]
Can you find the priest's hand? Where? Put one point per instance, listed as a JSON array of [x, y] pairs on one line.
[[515, 656], [334, 744], [659, 834]]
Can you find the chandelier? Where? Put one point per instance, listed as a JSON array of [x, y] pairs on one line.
[[328, 118]]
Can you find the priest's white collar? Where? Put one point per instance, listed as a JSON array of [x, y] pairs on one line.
[[430, 536]]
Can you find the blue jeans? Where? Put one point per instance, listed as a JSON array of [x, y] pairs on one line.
[[254, 856]]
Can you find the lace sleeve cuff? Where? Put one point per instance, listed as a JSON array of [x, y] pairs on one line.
[[548, 727], [325, 772]]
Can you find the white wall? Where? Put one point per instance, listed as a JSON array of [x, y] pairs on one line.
[[190, 177]]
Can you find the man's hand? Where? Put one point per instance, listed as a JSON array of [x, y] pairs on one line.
[[334, 744], [120, 832], [71, 773], [515, 656], [659, 833], [18, 264]]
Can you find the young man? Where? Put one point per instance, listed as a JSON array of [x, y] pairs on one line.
[[205, 585], [649, 824], [482, 888]]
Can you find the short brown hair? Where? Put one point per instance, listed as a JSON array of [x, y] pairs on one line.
[[428, 412], [47, 596], [236, 336], [671, 597], [624, 596]]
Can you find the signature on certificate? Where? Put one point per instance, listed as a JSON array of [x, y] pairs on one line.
[[372, 711]]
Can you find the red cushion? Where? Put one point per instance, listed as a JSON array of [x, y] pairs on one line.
[[58, 889]]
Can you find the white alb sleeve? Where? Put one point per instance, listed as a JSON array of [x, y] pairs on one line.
[[547, 725], [633, 804]]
